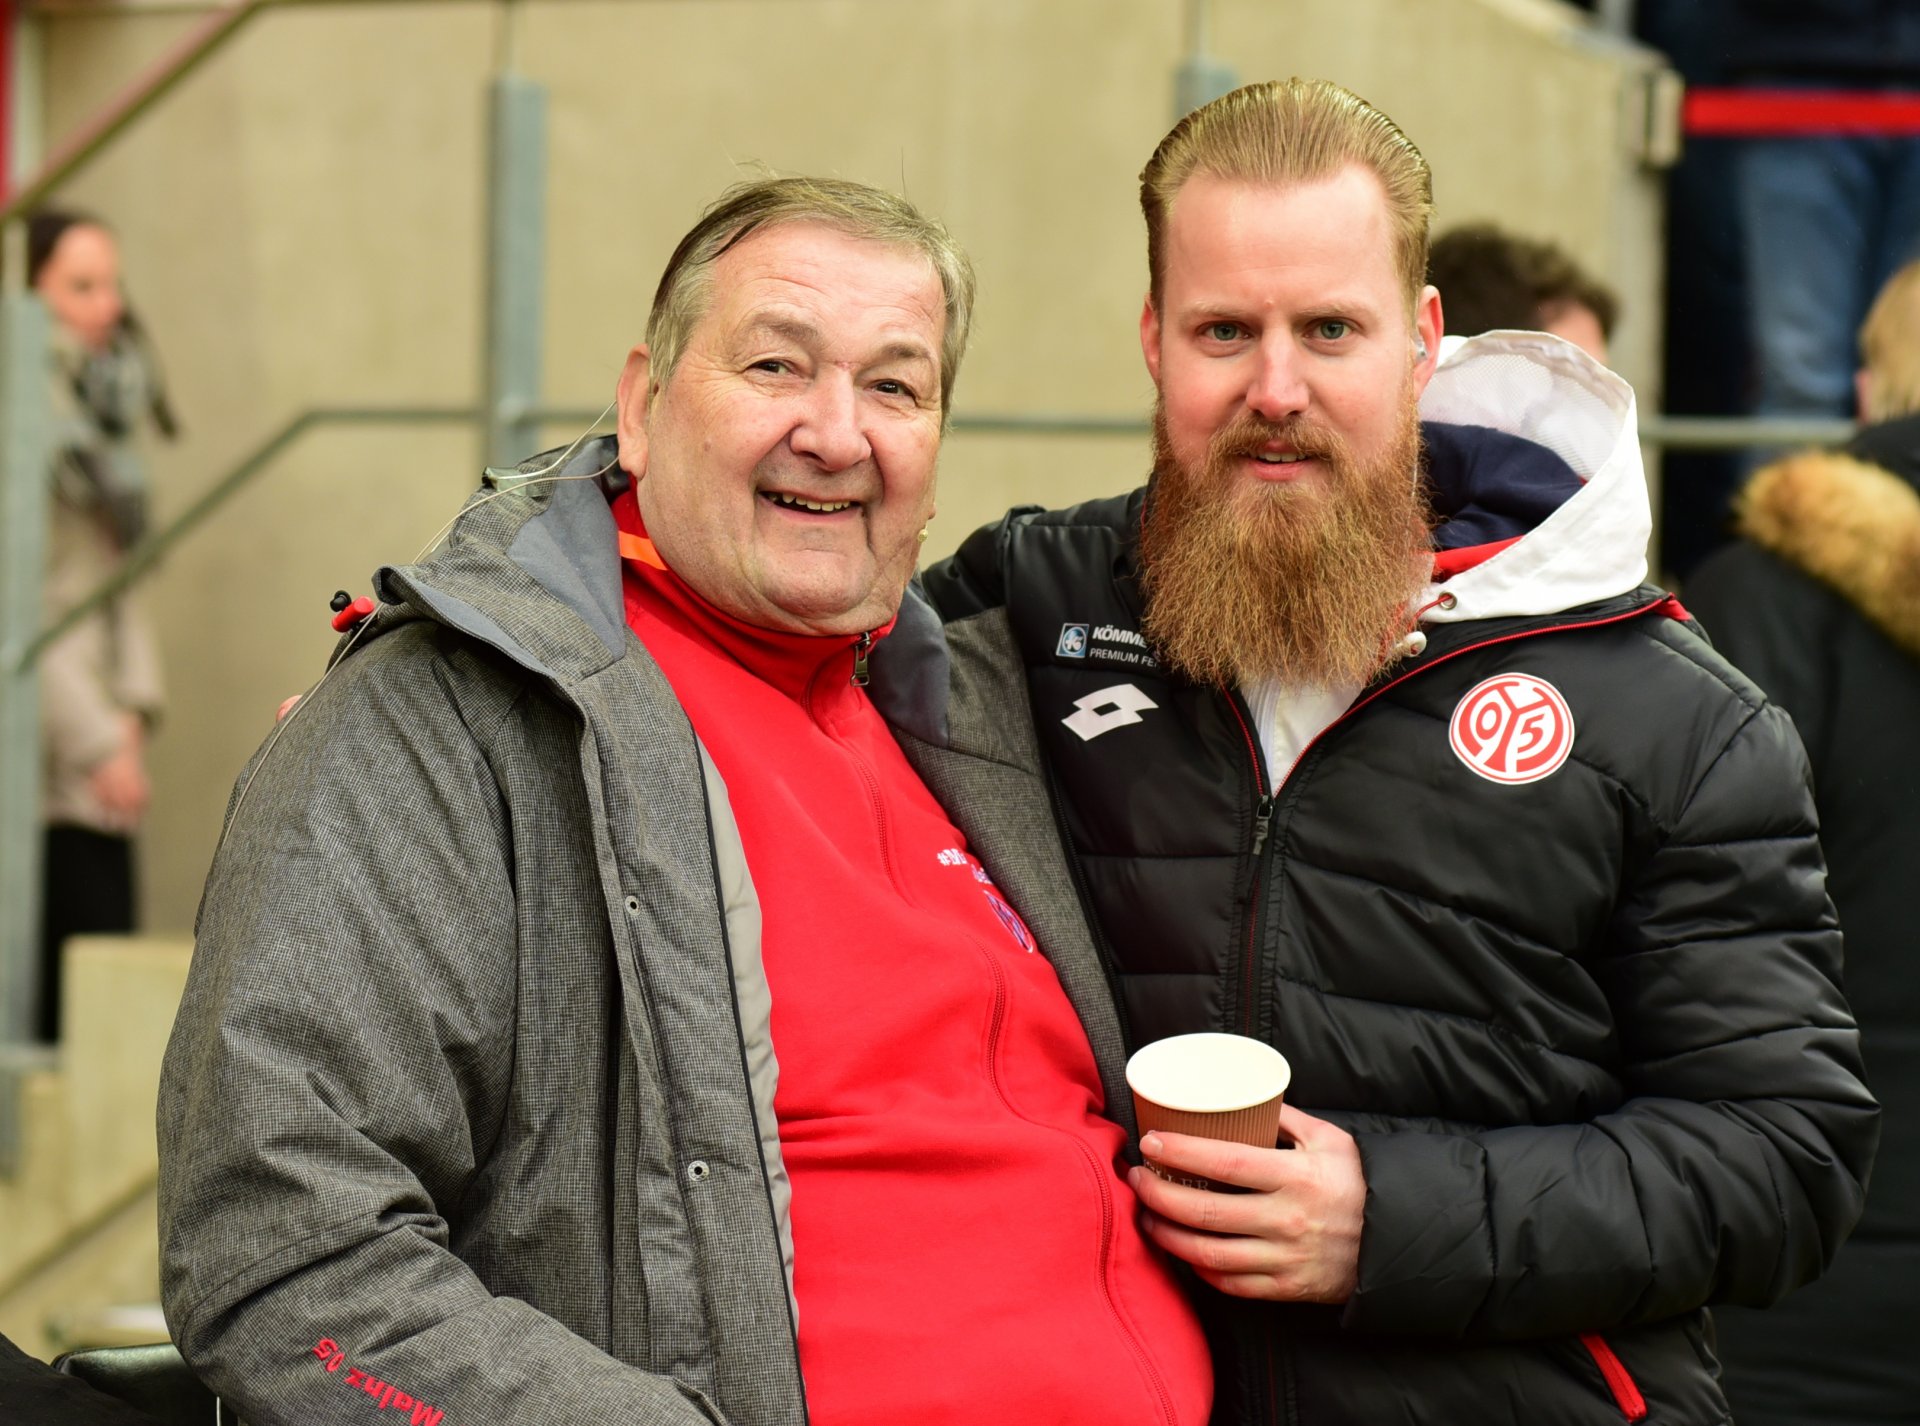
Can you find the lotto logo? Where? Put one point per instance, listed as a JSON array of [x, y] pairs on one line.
[[1513, 728], [1106, 710]]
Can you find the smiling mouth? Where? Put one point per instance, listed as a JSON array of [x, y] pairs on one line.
[[1270, 458], [812, 507]]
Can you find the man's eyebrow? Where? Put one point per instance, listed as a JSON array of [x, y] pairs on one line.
[[794, 329], [804, 333], [903, 351], [1333, 304]]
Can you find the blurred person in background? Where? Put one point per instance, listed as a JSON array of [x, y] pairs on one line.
[[1706, 358], [1491, 280], [1819, 603], [100, 687], [1822, 94]]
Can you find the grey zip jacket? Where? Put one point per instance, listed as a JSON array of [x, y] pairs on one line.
[[468, 1111]]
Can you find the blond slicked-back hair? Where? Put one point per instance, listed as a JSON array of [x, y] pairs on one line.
[[856, 209], [1288, 131], [1890, 347]]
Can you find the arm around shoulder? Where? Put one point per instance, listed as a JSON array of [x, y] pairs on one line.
[[974, 578]]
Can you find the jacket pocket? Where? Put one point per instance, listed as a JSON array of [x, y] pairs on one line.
[[1626, 1395]]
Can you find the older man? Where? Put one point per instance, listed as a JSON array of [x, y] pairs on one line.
[[472, 1111], [1416, 779]]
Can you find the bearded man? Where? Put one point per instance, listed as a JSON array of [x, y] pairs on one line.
[[1367, 737]]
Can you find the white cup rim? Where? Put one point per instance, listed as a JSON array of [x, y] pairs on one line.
[[1208, 1073]]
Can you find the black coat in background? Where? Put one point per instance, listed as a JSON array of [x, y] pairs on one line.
[[1819, 604]]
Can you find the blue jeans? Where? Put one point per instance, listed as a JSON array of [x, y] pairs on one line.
[[1827, 221]]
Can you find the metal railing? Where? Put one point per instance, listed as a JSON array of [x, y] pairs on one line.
[[155, 83], [144, 556]]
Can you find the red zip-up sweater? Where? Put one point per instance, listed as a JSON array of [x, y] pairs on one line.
[[965, 1249]]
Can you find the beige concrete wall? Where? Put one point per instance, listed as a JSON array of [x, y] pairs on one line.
[[303, 224]]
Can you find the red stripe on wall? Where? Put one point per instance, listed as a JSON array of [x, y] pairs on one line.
[[1798, 113]]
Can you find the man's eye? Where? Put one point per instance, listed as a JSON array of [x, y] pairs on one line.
[[889, 386], [1223, 331], [773, 364], [1332, 329]]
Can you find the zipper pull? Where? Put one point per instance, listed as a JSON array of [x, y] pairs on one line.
[[1262, 823], [862, 646]]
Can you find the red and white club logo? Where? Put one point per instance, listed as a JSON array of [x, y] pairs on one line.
[[1512, 728]]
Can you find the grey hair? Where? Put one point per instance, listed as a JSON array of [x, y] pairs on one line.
[[857, 209]]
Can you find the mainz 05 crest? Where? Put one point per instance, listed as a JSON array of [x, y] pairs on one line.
[[1512, 728]]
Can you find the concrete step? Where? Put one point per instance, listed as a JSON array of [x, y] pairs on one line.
[[76, 1210]]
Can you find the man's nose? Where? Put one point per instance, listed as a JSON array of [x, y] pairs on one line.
[[829, 428], [1278, 389]]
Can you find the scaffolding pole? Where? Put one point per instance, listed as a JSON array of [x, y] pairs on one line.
[[24, 343], [516, 264]]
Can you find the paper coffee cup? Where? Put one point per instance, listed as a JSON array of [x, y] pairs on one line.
[[1213, 1086]]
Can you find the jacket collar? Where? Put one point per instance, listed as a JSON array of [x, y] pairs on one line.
[[1852, 525], [530, 566], [1891, 445], [802, 666]]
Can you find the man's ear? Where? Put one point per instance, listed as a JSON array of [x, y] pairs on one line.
[[631, 411], [1429, 322], [1150, 338]]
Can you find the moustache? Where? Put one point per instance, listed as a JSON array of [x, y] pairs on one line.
[[1249, 435]]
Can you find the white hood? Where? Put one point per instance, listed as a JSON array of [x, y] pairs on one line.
[[1547, 391]]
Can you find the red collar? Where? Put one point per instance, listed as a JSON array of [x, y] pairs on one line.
[[790, 662], [1448, 563]]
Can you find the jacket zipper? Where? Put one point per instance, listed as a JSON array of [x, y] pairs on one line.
[[1262, 826], [753, 1111], [1619, 1380], [1250, 962], [862, 646]]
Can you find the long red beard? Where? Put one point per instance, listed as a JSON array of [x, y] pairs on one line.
[[1305, 583]]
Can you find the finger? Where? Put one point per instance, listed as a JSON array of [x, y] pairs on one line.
[[1211, 1252], [1204, 1209], [1262, 1285], [286, 707], [1241, 1165]]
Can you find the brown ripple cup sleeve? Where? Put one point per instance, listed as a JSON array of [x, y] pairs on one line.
[[1212, 1086]]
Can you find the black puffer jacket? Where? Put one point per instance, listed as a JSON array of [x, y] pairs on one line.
[[1820, 603], [1584, 1021]]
